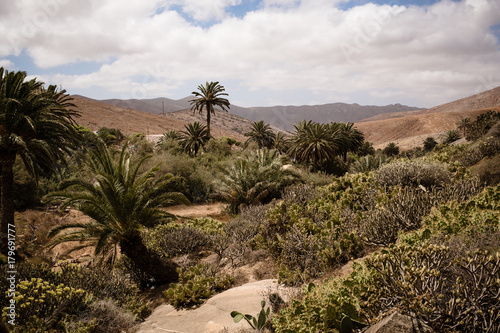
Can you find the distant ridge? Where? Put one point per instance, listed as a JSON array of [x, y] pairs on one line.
[[282, 117]]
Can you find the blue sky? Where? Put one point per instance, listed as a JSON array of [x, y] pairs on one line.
[[265, 52]]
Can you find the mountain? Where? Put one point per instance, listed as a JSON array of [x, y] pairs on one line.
[[281, 117], [154, 105], [96, 114], [285, 117], [410, 129], [407, 128]]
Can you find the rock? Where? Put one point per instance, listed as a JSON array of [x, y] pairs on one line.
[[212, 316], [398, 323]]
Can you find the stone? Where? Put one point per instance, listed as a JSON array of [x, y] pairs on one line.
[[398, 323]]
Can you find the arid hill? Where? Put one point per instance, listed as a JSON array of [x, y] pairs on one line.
[[96, 114], [409, 129]]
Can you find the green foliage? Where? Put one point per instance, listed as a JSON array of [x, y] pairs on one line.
[[194, 287], [312, 142], [308, 234], [173, 239], [193, 138], [391, 149], [121, 201], [258, 322], [413, 173], [40, 305], [450, 293], [111, 136], [472, 218], [442, 273], [323, 307], [254, 180], [368, 163], [262, 134], [451, 136], [210, 95], [430, 143], [481, 125]]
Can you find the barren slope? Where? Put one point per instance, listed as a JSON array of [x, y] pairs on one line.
[[95, 114], [410, 131]]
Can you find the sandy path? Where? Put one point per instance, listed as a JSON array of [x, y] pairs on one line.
[[214, 210]]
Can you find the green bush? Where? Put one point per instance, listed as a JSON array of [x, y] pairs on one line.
[[173, 239], [449, 293], [413, 173], [194, 287], [307, 233], [41, 305], [442, 273], [323, 307]]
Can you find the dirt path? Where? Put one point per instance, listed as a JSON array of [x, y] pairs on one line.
[[214, 210]]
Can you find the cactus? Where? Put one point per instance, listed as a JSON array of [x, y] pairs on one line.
[[257, 323]]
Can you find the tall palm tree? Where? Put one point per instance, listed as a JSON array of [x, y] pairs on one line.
[[464, 125], [122, 204], [37, 125], [262, 134], [209, 97], [350, 137], [194, 137], [313, 142]]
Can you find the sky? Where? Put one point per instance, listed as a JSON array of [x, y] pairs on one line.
[[264, 52]]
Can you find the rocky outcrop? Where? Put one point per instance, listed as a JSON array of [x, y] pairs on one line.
[[398, 323]]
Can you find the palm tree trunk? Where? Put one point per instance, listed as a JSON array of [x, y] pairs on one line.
[[6, 198], [162, 270], [208, 122]]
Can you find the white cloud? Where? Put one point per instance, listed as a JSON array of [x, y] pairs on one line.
[[424, 55], [7, 64]]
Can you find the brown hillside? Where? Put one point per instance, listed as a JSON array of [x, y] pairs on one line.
[[410, 131], [95, 114], [486, 99]]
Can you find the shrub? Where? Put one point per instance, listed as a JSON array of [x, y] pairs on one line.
[[254, 180], [413, 173], [425, 281], [307, 234], [323, 307], [368, 163], [174, 239], [195, 286], [40, 305], [102, 316]]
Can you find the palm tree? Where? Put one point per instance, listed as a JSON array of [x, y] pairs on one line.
[[430, 143], [464, 125], [391, 149], [209, 97], [451, 136], [350, 137], [36, 125], [281, 143], [122, 203], [313, 142], [262, 134], [194, 137], [254, 180]]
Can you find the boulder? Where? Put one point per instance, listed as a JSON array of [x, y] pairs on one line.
[[398, 323]]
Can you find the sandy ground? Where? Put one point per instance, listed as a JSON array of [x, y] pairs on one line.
[[213, 210]]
